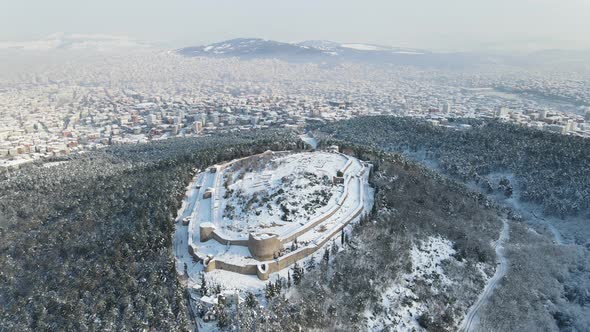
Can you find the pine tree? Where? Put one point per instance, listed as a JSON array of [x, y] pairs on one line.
[[203, 285], [251, 301], [223, 318], [334, 248], [508, 191], [331, 311], [505, 186], [297, 274], [269, 290], [310, 263], [278, 286]]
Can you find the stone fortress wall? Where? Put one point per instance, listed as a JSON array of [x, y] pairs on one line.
[[265, 247]]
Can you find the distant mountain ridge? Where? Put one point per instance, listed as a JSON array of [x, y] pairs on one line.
[[261, 47], [326, 51], [310, 50], [250, 47]]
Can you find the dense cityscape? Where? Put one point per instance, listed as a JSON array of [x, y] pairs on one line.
[[79, 104]]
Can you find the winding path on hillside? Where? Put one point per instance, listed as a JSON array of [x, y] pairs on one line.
[[471, 320]]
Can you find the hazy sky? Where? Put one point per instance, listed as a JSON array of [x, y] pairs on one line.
[[433, 24]]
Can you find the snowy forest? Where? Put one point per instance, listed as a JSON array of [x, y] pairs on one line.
[[85, 242], [545, 169]]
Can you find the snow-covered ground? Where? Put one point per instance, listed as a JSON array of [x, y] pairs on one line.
[[299, 177], [401, 305], [256, 200], [310, 140], [364, 47], [54, 163]]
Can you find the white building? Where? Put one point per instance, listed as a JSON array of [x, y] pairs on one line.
[[502, 112], [151, 120], [446, 108]]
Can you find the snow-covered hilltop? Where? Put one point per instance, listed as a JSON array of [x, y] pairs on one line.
[[311, 50], [252, 48], [324, 51], [261, 214]]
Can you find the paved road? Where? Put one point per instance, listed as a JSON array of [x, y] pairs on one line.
[[471, 320], [181, 249]]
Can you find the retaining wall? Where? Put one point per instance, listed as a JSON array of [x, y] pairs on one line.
[[289, 259], [265, 248]]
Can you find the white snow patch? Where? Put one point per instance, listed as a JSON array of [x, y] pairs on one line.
[[54, 163], [401, 306], [364, 47], [408, 52], [310, 140]]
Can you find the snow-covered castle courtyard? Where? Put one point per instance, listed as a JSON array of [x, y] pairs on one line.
[[261, 214]]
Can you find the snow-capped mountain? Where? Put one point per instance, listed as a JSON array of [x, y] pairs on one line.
[[327, 51], [252, 48], [378, 48], [256, 47], [324, 45]]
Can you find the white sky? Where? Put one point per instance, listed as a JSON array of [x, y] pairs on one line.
[[432, 24]]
